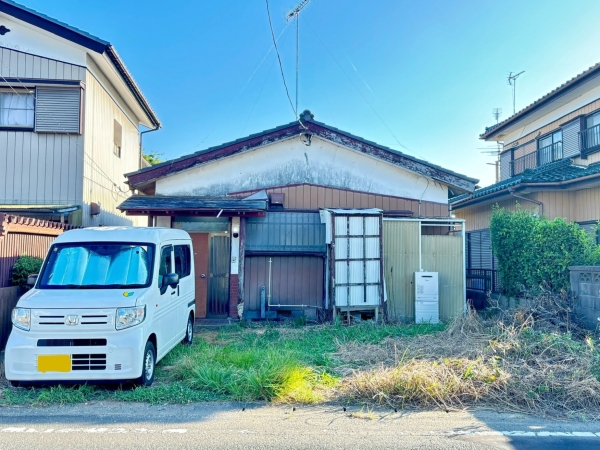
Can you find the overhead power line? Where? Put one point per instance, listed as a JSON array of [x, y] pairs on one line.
[[279, 59]]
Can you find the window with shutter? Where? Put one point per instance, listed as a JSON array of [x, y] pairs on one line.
[[117, 137], [57, 110]]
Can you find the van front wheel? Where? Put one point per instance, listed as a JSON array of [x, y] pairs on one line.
[[148, 365], [189, 331]]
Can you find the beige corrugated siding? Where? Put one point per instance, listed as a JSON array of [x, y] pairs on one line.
[[444, 255], [400, 262], [573, 206]]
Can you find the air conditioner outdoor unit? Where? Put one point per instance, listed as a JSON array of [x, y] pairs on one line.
[[427, 297]]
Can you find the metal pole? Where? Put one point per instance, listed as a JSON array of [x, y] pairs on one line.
[[420, 231], [464, 268], [297, 58]]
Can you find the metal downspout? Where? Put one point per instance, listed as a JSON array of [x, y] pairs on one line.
[[511, 191], [141, 140]]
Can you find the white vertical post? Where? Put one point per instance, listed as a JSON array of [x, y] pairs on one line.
[[420, 231], [235, 245]]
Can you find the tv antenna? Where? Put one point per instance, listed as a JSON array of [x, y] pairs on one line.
[[295, 13], [512, 81], [494, 151]]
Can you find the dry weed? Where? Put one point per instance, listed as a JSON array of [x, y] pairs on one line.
[[525, 360]]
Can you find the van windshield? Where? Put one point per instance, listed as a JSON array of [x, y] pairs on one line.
[[98, 266]]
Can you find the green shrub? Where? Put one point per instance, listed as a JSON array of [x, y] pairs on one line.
[[23, 267], [533, 250]]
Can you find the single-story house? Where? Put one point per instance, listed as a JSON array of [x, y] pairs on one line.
[[292, 221]]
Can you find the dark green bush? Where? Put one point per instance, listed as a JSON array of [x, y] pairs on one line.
[[533, 251], [23, 267]]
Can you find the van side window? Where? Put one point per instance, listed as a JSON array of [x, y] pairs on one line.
[[182, 260], [165, 263]]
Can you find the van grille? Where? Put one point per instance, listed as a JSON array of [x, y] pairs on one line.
[[84, 320], [52, 320], [94, 320], [71, 342], [88, 362]]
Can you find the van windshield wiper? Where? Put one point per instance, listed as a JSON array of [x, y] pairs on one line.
[[97, 286]]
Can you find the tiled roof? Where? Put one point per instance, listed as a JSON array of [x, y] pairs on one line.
[[563, 170], [576, 79], [307, 118]]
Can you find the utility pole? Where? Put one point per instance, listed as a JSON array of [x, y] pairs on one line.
[[295, 12]]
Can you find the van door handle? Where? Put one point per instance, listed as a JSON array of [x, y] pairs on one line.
[[173, 293]]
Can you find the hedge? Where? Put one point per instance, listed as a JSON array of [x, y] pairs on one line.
[[23, 267], [533, 251]]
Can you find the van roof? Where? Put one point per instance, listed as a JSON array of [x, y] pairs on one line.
[[154, 235]]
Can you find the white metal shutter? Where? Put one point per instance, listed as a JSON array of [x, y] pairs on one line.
[[57, 110], [571, 138], [505, 159]]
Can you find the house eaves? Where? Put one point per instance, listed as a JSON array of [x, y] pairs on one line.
[[559, 175], [551, 96], [146, 176], [86, 40]]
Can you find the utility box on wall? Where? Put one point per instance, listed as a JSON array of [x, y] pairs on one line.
[[427, 297]]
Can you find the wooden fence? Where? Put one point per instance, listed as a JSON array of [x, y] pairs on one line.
[[8, 300], [20, 236], [24, 236]]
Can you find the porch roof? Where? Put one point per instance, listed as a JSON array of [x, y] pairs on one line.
[[189, 205]]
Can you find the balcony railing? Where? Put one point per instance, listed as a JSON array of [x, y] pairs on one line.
[[589, 139], [544, 155], [519, 165], [484, 280]]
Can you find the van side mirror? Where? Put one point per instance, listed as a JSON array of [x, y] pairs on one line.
[[31, 279], [171, 279]]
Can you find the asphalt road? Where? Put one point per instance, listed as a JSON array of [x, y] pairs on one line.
[[220, 426]]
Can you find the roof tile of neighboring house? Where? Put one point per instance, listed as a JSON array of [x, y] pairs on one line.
[[591, 72], [563, 170]]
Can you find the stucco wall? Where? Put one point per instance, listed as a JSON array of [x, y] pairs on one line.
[[290, 162]]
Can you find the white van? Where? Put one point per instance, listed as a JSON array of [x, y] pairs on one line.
[[108, 304]]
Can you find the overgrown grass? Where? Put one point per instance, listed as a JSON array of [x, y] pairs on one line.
[[242, 363]]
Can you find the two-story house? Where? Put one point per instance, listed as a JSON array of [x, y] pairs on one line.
[[550, 162], [70, 118]]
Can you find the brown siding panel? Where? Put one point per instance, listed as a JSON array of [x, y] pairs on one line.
[[296, 280], [307, 196]]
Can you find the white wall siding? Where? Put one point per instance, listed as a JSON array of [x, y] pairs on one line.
[[17, 64], [40, 168], [103, 177], [290, 161]]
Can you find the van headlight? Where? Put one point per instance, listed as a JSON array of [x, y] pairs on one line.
[[129, 317], [21, 318]]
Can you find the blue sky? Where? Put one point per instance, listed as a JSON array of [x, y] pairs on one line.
[[420, 76]]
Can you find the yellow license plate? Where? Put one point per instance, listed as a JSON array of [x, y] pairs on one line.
[[54, 363]]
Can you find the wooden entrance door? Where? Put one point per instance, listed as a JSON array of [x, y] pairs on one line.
[[218, 285], [201, 255]]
